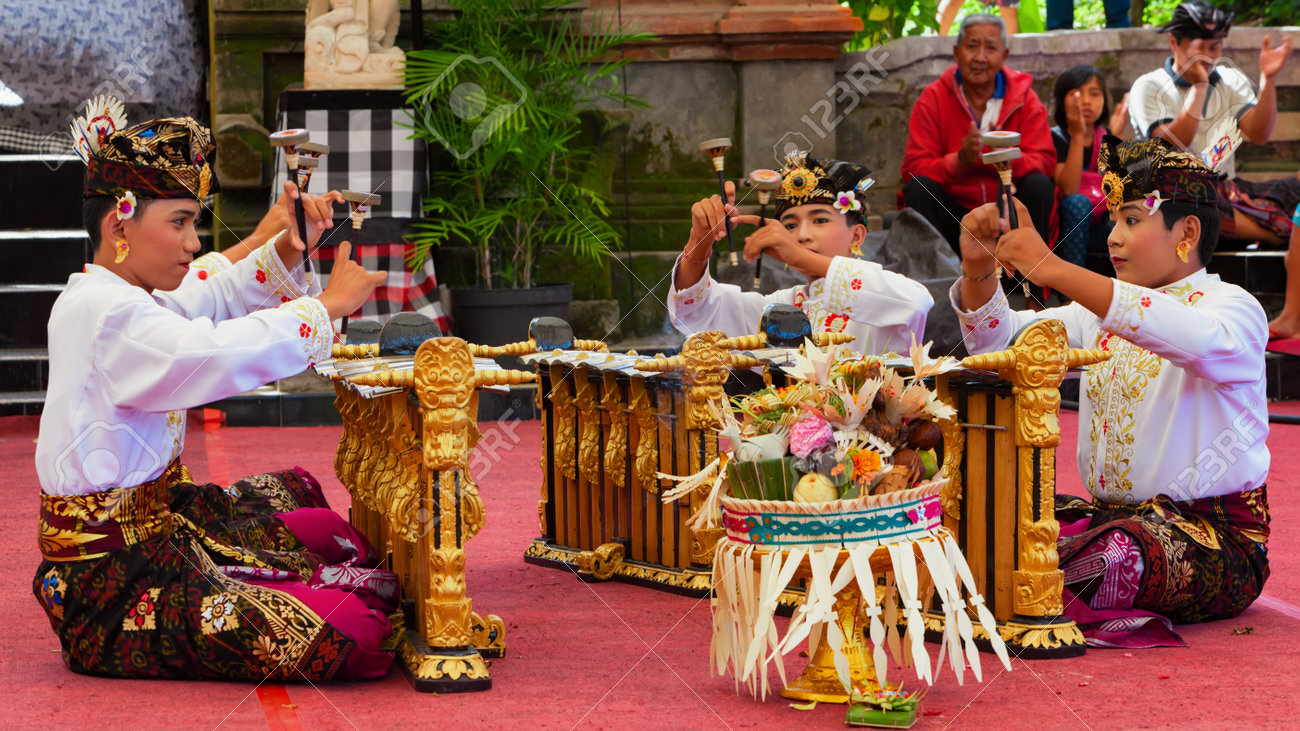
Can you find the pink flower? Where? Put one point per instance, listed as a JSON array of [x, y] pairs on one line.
[[855, 284], [261, 276], [809, 435], [993, 323], [304, 330], [1145, 301], [203, 274]]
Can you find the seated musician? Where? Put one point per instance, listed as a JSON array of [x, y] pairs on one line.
[[1173, 425], [147, 574], [816, 230]]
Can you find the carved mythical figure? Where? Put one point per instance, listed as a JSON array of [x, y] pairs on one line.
[[350, 45]]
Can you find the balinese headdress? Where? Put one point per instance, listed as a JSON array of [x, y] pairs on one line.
[[808, 180], [1197, 19], [170, 157], [1152, 171]]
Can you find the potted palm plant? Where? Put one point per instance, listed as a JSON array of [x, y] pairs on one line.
[[501, 89]]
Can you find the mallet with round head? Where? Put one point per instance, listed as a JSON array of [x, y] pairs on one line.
[[764, 181], [716, 149]]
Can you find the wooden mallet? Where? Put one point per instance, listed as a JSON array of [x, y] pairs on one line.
[[290, 139], [1004, 151], [716, 149], [309, 155], [360, 204], [764, 181]]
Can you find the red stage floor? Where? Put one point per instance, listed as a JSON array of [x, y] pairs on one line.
[[618, 656]]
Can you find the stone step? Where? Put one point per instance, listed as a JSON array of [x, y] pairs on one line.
[[27, 310], [43, 256], [23, 369], [22, 403], [52, 185]]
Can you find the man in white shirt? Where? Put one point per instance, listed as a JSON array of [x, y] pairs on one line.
[[1173, 426], [1194, 102]]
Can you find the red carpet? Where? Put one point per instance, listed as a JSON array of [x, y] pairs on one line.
[[618, 656]]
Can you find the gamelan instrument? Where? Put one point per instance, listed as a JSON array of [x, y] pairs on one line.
[[716, 149], [290, 140], [610, 423], [764, 181]]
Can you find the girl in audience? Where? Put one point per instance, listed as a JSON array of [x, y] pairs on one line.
[[1081, 111]]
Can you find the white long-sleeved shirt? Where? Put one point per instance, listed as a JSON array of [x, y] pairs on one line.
[[881, 309], [1180, 408], [126, 364]]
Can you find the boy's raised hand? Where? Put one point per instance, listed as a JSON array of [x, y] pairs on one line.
[[318, 211], [708, 224], [349, 285], [1022, 249]]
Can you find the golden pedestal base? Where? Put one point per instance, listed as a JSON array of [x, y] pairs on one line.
[[450, 669], [820, 681], [442, 670], [601, 565], [1025, 637]]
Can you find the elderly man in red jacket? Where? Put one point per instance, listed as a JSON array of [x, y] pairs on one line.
[[943, 175]]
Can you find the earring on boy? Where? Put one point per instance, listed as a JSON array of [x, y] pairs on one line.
[[1184, 246], [122, 250]]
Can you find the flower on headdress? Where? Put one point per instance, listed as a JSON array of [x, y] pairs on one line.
[[799, 183], [1113, 186], [1152, 202], [846, 201], [125, 205]]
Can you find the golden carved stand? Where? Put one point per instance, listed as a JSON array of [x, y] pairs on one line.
[[1000, 455], [403, 457]]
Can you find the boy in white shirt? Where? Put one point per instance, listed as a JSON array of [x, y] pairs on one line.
[[1173, 426]]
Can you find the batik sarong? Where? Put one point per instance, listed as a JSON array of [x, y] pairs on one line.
[[178, 580], [1131, 572]]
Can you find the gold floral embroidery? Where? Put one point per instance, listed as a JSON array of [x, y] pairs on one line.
[[315, 330], [276, 282], [1117, 387], [218, 614]]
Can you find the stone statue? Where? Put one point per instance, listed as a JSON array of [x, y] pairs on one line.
[[350, 45]]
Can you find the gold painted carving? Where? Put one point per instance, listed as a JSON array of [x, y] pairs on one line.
[[616, 443], [647, 443], [704, 541], [565, 416], [954, 447], [443, 667], [602, 563], [588, 424], [689, 579], [446, 609], [489, 634]]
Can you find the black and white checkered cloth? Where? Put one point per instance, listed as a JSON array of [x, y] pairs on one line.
[[369, 152], [17, 139], [369, 147]]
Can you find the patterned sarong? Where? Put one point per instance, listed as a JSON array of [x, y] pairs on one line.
[[177, 580], [1133, 571]]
